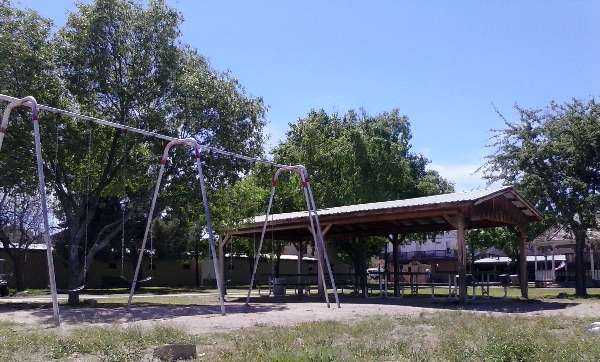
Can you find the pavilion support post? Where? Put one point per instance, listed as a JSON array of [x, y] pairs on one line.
[[395, 241], [592, 266], [546, 274], [522, 232], [553, 266], [385, 270], [222, 262], [299, 268], [535, 263], [462, 257]]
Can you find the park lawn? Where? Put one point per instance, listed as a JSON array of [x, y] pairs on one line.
[[455, 336]]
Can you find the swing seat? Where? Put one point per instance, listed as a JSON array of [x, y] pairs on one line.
[[78, 289], [144, 280]]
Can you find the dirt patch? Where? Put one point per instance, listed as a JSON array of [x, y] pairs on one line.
[[200, 319]]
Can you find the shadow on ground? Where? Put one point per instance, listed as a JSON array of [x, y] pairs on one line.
[[502, 305], [118, 313]]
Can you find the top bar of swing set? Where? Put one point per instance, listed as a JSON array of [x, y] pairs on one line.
[[123, 127]]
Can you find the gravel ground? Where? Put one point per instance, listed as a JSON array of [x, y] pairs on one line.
[[206, 318]]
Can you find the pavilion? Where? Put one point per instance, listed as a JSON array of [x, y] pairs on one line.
[[459, 211]]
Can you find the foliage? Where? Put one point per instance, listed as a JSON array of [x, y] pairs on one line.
[[124, 62], [355, 158], [21, 225], [358, 158], [501, 238], [553, 156]]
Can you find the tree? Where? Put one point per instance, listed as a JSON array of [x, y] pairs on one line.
[[354, 158], [502, 238], [553, 155], [26, 68], [20, 227], [124, 62]]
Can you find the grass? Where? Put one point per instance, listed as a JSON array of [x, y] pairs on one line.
[[124, 290], [108, 344], [441, 337], [452, 336]]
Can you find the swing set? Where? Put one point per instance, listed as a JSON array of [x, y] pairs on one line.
[[197, 150]]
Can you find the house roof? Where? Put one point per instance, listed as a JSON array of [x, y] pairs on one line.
[[559, 236], [530, 258], [482, 208]]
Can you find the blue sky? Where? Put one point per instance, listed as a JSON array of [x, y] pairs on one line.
[[444, 64]]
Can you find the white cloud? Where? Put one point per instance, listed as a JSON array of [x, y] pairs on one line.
[[463, 175]]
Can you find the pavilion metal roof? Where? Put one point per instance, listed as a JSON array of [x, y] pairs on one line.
[[396, 204], [498, 206]]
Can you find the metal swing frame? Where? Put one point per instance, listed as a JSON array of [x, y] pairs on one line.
[[32, 103], [315, 228], [207, 214], [300, 170]]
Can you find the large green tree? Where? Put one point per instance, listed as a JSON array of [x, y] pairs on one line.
[[123, 61], [353, 158], [553, 155]]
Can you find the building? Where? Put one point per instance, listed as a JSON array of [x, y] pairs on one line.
[[108, 272], [557, 241]]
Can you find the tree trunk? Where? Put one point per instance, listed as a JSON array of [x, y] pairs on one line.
[[251, 269], [277, 264], [74, 274], [363, 277], [580, 289], [357, 280], [18, 270], [197, 269]]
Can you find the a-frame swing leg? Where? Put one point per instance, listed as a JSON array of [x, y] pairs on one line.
[[146, 231], [315, 228], [319, 251], [42, 190], [260, 243], [310, 199], [207, 215], [209, 229]]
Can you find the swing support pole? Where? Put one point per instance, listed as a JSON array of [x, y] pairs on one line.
[[32, 103], [299, 169], [315, 229], [260, 243], [197, 150]]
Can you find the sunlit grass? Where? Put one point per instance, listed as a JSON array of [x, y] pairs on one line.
[[453, 336], [108, 344]]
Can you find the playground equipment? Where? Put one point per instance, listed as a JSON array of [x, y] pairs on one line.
[[207, 214], [315, 228], [31, 103]]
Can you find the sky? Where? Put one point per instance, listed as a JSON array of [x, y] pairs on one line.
[[446, 65]]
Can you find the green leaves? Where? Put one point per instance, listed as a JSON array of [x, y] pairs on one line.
[[554, 157], [357, 158], [122, 61]]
